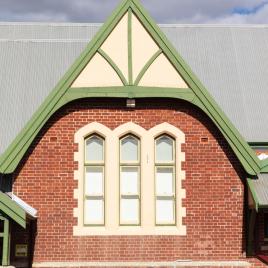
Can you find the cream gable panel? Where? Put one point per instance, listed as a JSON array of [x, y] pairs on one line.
[[97, 73], [162, 74], [116, 45], [143, 46]]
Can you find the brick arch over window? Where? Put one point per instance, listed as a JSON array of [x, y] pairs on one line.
[[147, 220]]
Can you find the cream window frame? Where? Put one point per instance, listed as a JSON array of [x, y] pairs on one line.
[[130, 164], [112, 185], [162, 165], [94, 164]]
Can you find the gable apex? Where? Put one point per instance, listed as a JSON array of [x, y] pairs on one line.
[[190, 89], [134, 57]]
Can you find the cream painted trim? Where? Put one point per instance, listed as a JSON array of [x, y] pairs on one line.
[[112, 140], [80, 136], [182, 263], [179, 137]]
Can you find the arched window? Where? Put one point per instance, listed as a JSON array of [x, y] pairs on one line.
[[129, 180], [165, 184], [94, 181]]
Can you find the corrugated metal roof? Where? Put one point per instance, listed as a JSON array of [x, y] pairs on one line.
[[261, 188], [231, 61]]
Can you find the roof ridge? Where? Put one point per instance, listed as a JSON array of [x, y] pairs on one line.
[[204, 25], [86, 24], [40, 40], [58, 24]]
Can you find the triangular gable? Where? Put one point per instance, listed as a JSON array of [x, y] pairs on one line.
[[129, 56], [130, 71]]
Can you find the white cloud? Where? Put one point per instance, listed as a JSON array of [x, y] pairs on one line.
[[168, 11], [196, 11], [259, 17]]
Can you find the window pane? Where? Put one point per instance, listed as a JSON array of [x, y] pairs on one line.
[[94, 149], [94, 211], [129, 180], [129, 149], [164, 149], [94, 181], [164, 181], [164, 211], [129, 211]]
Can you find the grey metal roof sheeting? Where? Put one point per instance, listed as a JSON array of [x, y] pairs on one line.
[[231, 61], [261, 188]]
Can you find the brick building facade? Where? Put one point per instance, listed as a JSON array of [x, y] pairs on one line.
[[130, 88]]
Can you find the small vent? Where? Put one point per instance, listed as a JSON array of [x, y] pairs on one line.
[[204, 139]]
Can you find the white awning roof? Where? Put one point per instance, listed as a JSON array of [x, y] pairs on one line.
[[26, 207]]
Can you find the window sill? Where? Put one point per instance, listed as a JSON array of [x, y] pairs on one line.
[[129, 231]]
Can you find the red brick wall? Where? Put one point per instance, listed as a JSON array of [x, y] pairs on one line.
[[214, 187]]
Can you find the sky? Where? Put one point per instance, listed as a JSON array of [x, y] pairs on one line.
[[163, 11]]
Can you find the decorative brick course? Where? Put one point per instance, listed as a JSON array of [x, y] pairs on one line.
[[214, 187]]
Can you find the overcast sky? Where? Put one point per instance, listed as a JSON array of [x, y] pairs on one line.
[[163, 11]]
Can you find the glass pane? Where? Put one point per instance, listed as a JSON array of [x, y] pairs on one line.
[[129, 211], [164, 149], [164, 181], [129, 149], [129, 180], [94, 149], [94, 212], [94, 181], [165, 211]]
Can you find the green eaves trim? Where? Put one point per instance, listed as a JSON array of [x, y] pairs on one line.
[[264, 166], [113, 65], [259, 144], [129, 92], [10, 159], [253, 193], [12, 210]]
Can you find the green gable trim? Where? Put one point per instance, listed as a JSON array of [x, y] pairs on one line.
[[237, 142], [147, 66], [259, 144], [62, 93], [114, 66], [6, 241], [14, 153], [264, 166], [12, 210], [129, 92], [129, 32]]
